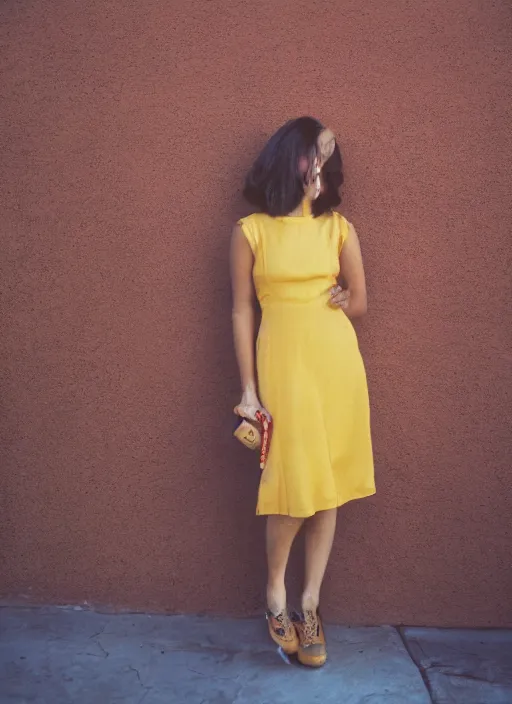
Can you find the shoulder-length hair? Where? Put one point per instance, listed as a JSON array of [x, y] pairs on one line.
[[275, 183]]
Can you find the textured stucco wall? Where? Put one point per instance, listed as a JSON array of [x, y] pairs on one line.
[[127, 129]]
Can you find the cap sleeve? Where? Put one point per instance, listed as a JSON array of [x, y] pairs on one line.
[[343, 226], [250, 232]]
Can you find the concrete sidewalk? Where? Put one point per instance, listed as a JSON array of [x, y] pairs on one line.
[[68, 656]]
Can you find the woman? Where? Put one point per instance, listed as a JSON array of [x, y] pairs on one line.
[[310, 376]]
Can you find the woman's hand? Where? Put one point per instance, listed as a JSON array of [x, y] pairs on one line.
[[250, 405], [339, 297]]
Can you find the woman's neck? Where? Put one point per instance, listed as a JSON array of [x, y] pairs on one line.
[[302, 209]]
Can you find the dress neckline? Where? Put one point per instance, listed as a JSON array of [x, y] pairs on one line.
[[307, 212]]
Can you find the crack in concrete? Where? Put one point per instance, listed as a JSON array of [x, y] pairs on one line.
[[196, 672], [148, 690], [461, 675], [419, 667], [134, 669], [99, 633], [105, 652], [95, 638], [199, 648], [213, 677]]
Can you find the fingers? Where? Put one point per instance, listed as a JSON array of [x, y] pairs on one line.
[[249, 412], [266, 414], [339, 303], [339, 297]]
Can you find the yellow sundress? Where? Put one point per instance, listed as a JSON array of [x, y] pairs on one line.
[[311, 375]]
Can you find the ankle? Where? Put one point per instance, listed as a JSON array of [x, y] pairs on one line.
[[310, 601], [276, 598]]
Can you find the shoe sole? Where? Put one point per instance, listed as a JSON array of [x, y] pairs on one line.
[[312, 662]]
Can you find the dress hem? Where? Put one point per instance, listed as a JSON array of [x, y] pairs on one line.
[[336, 504]]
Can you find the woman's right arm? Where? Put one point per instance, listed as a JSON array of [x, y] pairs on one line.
[[242, 262]]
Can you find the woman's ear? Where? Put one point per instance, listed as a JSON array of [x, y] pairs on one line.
[[303, 165]]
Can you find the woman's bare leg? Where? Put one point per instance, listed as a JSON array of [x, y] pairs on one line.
[[319, 534], [281, 532]]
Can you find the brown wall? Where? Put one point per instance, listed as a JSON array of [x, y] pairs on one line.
[[128, 129]]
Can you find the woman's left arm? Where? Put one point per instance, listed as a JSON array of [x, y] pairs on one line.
[[352, 299]]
